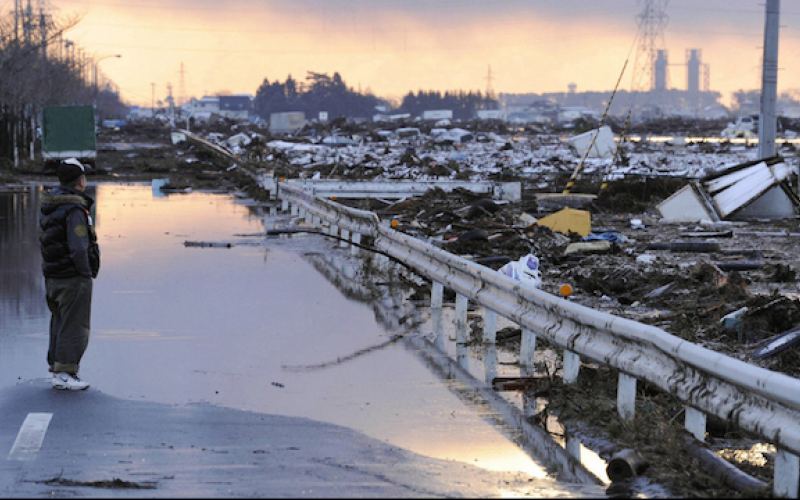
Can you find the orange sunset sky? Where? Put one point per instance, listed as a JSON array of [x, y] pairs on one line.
[[393, 47]]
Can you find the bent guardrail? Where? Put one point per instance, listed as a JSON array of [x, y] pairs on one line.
[[764, 402]]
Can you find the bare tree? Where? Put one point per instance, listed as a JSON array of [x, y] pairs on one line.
[[34, 72]]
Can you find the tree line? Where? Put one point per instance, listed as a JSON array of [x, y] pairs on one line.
[[320, 92], [30, 79], [463, 104], [37, 68]]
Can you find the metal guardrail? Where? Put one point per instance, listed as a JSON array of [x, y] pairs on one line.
[[511, 191], [761, 401], [392, 312]]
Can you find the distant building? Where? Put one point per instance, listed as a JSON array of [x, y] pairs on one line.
[[791, 112], [391, 118], [283, 123], [207, 104], [138, 112], [490, 114], [572, 113], [235, 107], [437, 114]]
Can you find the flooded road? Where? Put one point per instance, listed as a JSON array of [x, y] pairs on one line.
[[182, 325]]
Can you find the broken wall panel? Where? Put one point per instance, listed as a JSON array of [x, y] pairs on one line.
[[751, 190], [776, 202], [604, 145], [747, 186], [685, 205], [738, 189], [717, 183]]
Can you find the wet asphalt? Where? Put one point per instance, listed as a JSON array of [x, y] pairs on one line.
[[100, 446], [191, 396]]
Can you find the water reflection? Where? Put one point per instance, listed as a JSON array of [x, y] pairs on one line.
[[182, 325], [20, 290], [393, 309], [364, 277]]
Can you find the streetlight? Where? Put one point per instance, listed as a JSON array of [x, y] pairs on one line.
[[96, 90], [95, 69]]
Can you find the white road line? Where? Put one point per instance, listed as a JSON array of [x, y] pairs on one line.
[[30, 437]]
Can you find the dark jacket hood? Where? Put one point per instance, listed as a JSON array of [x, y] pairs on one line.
[[61, 195]]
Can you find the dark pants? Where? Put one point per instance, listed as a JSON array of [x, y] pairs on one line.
[[70, 302]]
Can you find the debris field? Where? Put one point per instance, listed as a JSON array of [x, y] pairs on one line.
[[730, 286]]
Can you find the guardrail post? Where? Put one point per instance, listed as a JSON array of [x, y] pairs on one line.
[[334, 230], [284, 205], [695, 423], [489, 326], [572, 365], [316, 221], [461, 318], [437, 294], [295, 210], [527, 348], [462, 356], [529, 404], [356, 239], [573, 446], [308, 216], [345, 236], [626, 397], [270, 185], [786, 475], [490, 362]]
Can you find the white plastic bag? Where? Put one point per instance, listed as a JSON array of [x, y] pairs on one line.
[[526, 270]]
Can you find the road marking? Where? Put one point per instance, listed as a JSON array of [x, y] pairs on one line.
[[30, 437]]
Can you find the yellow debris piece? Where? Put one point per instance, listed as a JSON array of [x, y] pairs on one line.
[[569, 219]]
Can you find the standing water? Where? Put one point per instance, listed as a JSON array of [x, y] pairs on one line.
[[180, 325]]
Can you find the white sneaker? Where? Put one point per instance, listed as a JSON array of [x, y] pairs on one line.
[[68, 382]]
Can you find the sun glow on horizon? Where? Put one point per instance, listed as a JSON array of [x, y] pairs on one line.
[[395, 50]]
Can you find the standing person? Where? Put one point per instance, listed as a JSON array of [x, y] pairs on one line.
[[70, 260]]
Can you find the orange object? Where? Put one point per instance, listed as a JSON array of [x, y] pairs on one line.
[[395, 223], [566, 290], [333, 198]]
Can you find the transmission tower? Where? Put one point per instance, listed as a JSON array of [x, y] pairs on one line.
[[489, 89], [651, 21]]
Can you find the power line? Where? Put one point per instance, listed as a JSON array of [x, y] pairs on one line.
[[422, 47]]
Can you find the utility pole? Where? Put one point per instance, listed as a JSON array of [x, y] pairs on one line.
[[182, 87], [153, 101], [17, 5], [768, 122], [170, 100], [96, 85], [96, 64]]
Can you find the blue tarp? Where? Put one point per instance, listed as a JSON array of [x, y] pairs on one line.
[[608, 236]]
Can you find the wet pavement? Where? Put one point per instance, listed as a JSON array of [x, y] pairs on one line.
[[193, 348]]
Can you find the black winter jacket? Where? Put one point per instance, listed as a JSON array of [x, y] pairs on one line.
[[66, 234]]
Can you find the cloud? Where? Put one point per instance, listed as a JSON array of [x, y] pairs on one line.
[[395, 47]]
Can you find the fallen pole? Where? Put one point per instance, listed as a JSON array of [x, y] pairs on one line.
[[722, 469]]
